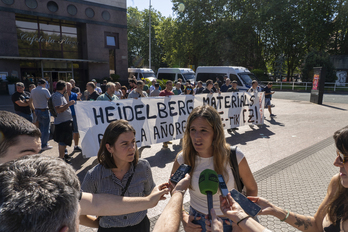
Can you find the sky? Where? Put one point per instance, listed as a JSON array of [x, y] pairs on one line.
[[163, 6]]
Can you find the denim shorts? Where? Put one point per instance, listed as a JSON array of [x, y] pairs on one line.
[[201, 222], [74, 124], [267, 101]]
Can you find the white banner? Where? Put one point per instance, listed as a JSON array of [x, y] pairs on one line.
[[162, 119]]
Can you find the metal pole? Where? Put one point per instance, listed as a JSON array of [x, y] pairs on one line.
[[150, 34]]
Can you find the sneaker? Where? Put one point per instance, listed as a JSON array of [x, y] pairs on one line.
[[77, 149], [272, 115], [46, 148]]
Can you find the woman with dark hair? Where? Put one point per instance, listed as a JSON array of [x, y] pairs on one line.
[[119, 172], [332, 214], [124, 92], [204, 147], [188, 91]]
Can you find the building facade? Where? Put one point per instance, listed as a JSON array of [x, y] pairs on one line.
[[63, 39]]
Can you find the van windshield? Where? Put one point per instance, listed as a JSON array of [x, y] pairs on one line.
[[147, 75], [247, 78], [189, 76]]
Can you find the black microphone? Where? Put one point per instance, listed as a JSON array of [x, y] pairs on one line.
[[208, 185]]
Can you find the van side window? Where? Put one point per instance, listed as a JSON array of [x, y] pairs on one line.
[[234, 77], [166, 76]]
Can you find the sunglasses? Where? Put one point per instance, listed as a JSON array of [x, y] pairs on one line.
[[188, 89], [342, 158]]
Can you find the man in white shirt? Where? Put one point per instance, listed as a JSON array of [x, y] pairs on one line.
[[118, 91]]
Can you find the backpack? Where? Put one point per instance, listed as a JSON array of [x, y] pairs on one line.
[[51, 107]]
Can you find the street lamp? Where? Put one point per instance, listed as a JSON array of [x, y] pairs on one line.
[[150, 35]]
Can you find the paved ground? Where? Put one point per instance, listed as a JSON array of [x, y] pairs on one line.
[[291, 156]]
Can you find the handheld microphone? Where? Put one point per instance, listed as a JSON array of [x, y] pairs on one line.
[[208, 185]]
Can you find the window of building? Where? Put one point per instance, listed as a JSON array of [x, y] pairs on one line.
[[111, 40]]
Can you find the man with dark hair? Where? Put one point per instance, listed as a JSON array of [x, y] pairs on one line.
[[92, 94], [98, 89], [39, 97], [156, 91], [74, 88], [209, 87], [199, 89], [21, 102], [234, 87], [226, 85], [168, 90], [103, 86], [132, 84], [63, 121], [268, 98], [45, 197], [18, 137], [138, 91]]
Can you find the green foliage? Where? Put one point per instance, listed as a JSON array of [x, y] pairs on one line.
[[162, 83], [12, 79], [318, 59], [260, 74], [115, 77]]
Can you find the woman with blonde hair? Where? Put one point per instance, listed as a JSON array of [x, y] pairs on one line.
[[122, 173], [205, 147]]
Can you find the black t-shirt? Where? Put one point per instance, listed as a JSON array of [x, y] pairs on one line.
[[93, 96], [21, 96], [208, 91], [233, 90], [199, 90], [75, 89], [267, 90]]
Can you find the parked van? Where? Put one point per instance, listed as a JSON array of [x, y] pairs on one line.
[[236, 73], [173, 74], [141, 73]]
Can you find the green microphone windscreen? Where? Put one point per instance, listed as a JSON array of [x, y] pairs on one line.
[[208, 181]]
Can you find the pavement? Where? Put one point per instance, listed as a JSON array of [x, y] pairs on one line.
[[291, 155]]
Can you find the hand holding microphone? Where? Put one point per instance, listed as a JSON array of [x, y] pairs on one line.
[[208, 185]]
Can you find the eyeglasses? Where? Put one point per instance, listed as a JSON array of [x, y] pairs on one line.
[[342, 158], [188, 89]]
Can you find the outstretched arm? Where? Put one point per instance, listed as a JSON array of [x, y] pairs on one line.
[[111, 205]]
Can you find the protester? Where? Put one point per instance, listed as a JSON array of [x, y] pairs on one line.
[[124, 92], [234, 87], [138, 91], [199, 89], [216, 88], [219, 82], [182, 85], [132, 84], [177, 89], [331, 215], [92, 93], [39, 97], [268, 97], [156, 91], [233, 211], [152, 87], [18, 137], [74, 88], [254, 87], [145, 86], [209, 87], [21, 102], [103, 86], [98, 89], [168, 90], [204, 146], [118, 91], [76, 135], [31, 87], [226, 85], [109, 95], [63, 121], [188, 91], [120, 172]]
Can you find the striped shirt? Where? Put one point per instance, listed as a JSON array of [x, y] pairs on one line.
[[102, 180]]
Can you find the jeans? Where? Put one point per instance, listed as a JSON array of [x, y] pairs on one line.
[[29, 117], [43, 117], [201, 222]]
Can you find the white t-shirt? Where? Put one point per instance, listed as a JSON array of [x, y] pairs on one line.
[[198, 200]]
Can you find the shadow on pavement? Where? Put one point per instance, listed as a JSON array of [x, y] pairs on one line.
[[164, 156], [256, 133], [274, 122], [334, 107]]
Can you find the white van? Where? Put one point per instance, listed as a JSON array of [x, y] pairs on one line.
[[173, 74], [141, 73], [236, 73]]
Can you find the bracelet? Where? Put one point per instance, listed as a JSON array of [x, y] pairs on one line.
[[286, 217], [243, 219]]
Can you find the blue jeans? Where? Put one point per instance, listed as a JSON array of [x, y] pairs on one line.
[[29, 117], [43, 117], [201, 222]]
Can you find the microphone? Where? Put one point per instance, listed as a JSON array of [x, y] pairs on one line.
[[208, 185]]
